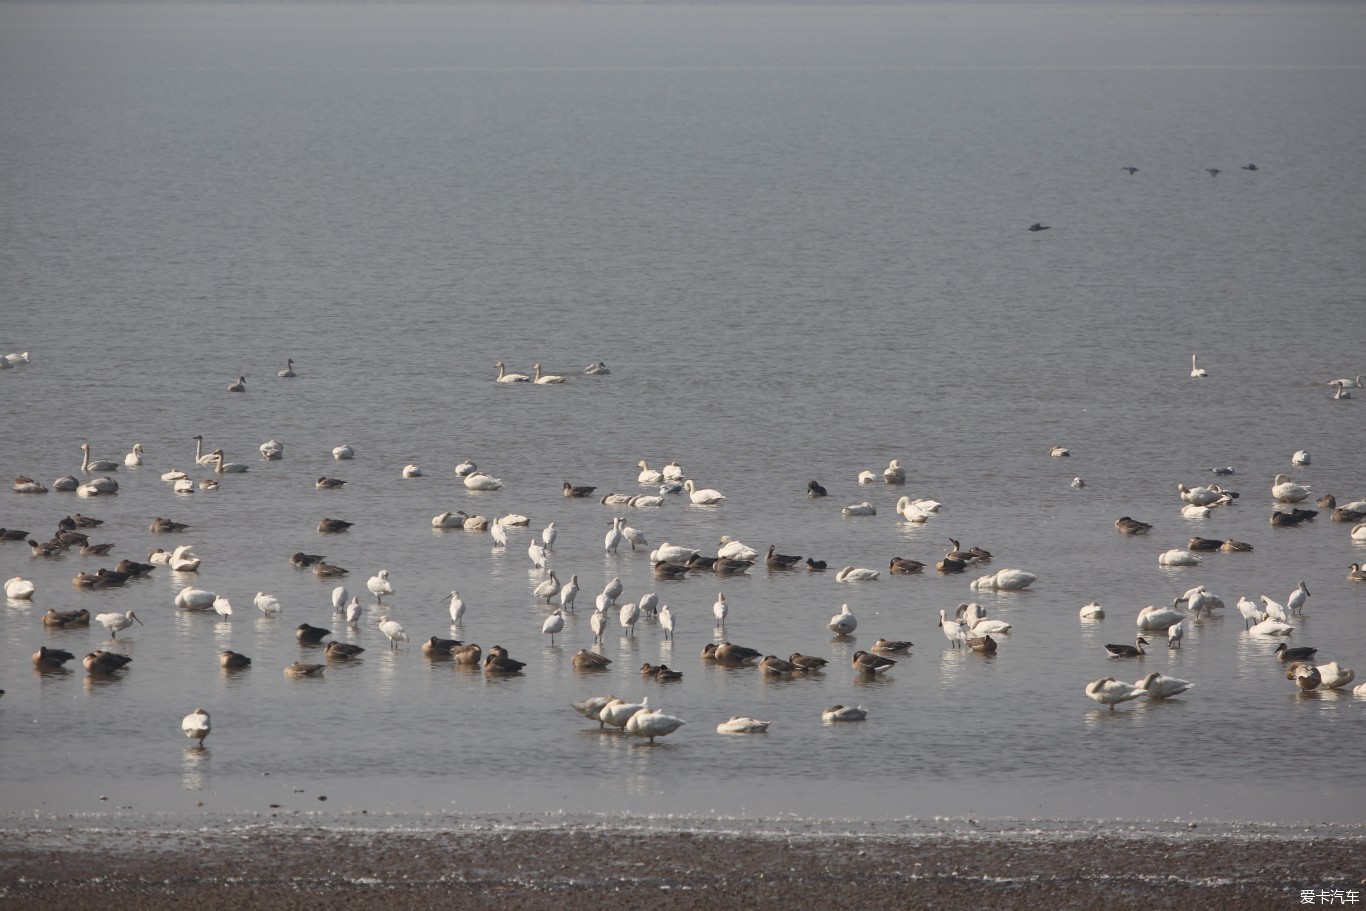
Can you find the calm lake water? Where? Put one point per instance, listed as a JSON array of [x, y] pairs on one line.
[[797, 237]]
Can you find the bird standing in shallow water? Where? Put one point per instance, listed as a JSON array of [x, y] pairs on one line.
[[380, 586], [196, 726]]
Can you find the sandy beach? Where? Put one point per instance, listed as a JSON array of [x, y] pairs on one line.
[[273, 865]]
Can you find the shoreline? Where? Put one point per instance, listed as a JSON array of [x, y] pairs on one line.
[[247, 862]]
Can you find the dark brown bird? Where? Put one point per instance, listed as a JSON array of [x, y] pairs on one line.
[[1203, 544], [134, 568], [13, 534], [66, 619], [327, 570], [230, 659], [1231, 546], [904, 567], [727, 653], [102, 662], [325, 483], [775, 560], [161, 526], [807, 662], [96, 550], [983, 645], [467, 654], [584, 660], [333, 526], [666, 674], [868, 663], [342, 651], [772, 664], [581, 491], [302, 559], [815, 566], [311, 635], [437, 647], [1128, 526], [49, 658], [501, 663], [892, 646]]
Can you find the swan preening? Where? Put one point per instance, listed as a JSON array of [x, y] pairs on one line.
[[1111, 692]]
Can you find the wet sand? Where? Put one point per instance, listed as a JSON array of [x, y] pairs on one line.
[[272, 866]]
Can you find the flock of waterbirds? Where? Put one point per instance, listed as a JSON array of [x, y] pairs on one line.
[[969, 628]]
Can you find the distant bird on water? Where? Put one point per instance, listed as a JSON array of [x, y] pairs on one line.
[[239, 386], [1037, 226], [1213, 172], [1132, 170]]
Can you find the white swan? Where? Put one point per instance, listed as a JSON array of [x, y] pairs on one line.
[[478, 480], [647, 474], [866, 477], [134, 458], [1284, 490], [856, 574], [1006, 580], [1158, 686], [672, 553], [239, 386], [19, 589], [1333, 677], [1271, 627], [343, 452], [843, 623], [223, 467], [843, 713], [89, 465], [1177, 557], [272, 450], [673, 471], [1092, 611], [918, 510], [182, 561], [734, 550], [412, 471], [1300, 457], [465, 468], [548, 379], [504, 377], [1196, 369], [978, 623], [97, 486], [704, 497], [1111, 692], [740, 724], [195, 599], [185, 485], [1199, 496], [619, 712], [1359, 532], [200, 456], [860, 509], [598, 369], [196, 726], [288, 373], [652, 724], [1158, 617], [894, 473]]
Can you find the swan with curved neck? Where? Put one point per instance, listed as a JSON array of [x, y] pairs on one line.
[[1196, 369], [97, 464]]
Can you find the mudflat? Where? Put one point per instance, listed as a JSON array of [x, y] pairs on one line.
[[291, 867]]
